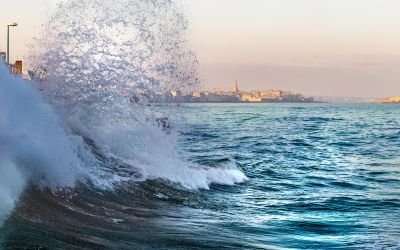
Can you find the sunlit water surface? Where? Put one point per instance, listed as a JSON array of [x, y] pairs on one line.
[[321, 176]]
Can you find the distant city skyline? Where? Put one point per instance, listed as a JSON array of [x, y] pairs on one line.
[[315, 47]]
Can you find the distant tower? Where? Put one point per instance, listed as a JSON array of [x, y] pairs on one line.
[[235, 87]]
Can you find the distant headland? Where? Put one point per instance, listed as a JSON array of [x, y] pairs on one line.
[[395, 99], [234, 96]]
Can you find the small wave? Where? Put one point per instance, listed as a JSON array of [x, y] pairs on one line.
[[348, 185], [125, 150]]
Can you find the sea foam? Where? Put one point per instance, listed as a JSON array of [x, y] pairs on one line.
[[95, 57], [33, 145], [97, 62]]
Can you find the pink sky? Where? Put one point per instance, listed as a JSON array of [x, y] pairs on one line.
[[317, 47]]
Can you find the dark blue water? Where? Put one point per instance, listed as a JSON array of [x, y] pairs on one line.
[[321, 176]]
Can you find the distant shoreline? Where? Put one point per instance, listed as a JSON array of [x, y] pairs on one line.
[[246, 102], [258, 103]]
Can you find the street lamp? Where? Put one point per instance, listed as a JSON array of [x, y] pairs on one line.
[[8, 40]]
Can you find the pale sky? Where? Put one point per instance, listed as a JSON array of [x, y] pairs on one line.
[[316, 47]]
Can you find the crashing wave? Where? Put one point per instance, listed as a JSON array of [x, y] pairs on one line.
[[94, 51], [94, 56], [33, 145]]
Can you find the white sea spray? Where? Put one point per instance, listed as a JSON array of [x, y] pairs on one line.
[[34, 147], [84, 118]]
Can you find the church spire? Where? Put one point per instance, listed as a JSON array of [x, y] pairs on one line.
[[235, 87]]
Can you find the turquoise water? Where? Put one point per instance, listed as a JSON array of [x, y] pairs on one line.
[[320, 176]]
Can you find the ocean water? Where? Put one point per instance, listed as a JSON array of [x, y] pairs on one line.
[[86, 162], [262, 176]]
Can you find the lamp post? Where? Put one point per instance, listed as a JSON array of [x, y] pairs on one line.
[[8, 40]]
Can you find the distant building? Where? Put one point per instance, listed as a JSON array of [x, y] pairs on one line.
[[272, 93], [17, 68], [197, 94], [395, 99], [176, 96], [176, 93], [235, 95], [273, 96], [236, 87], [250, 98]]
